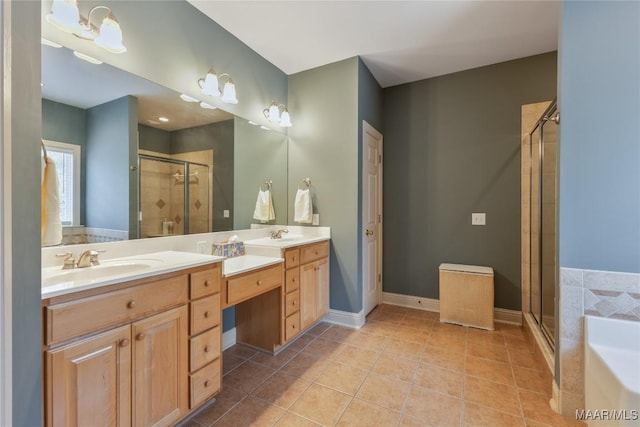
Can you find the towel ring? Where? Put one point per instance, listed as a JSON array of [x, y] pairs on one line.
[[306, 182], [266, 185], [44, 149]]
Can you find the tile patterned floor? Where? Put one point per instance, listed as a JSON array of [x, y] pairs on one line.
[[403, 368]]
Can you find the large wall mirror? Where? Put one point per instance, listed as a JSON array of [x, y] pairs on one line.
[[150, 163]]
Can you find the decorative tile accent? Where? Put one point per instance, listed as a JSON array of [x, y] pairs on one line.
[[605, 307], [606, 293], [160, 203], [177, 219], [197, 204], [634, 295], [590, 299]]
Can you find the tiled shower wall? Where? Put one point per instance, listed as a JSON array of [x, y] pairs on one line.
[[595, 293]]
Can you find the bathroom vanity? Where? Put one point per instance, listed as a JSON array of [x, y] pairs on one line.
[[138, 340]]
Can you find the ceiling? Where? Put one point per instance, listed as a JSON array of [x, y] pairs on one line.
[[399, 41], [72, 81]]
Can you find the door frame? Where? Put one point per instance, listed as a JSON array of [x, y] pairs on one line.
[[367, 128]]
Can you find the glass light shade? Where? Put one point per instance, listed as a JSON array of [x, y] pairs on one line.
[[229, 93], [210, 84], [285, 119], [187, 98], [65, 16], [88, 31], [274, 113], [87, 58], [110, 37]]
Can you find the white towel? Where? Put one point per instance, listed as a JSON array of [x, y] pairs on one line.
[[50, 226], [264, 207], [303, 209]]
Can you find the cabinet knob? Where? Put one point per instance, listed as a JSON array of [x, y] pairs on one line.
[[131, 304], [140, 336], [293, 258], [206, 349], [293, 302], [293, 280], [124, 342], [259, 282], [206, 383], [207, 282], [316, 252], [206, 314]]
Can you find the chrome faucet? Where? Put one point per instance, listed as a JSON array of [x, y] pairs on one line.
[[277, 234], [69, 262], [87, 259]]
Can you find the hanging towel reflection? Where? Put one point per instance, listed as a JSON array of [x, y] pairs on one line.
[[264, 207], [303, 209], [50, 225]]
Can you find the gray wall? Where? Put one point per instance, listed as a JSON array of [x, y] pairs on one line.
[[174, 44], [154, 139], [264, 154], [599, 100], [64, 123], [21, 127], [323, 146], [370, 109], [109, 180], [452, 147], [219, 137]]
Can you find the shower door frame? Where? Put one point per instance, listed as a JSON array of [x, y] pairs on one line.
[[186, 208], [550, 336]]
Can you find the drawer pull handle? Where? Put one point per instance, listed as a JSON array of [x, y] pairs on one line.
[[259, 282], [124, 342], [316, 252], [206, 349], [206, 383], [140, 336], [206, 314], [207, 283], [131, 304]]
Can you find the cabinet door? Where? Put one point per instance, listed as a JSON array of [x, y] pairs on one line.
[[160, 364], [308, 301], [322, 287], [89, 382]]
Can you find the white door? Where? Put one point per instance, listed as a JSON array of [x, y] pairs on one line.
[[371, 216]]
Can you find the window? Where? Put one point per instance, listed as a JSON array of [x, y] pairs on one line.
[[67, 160]]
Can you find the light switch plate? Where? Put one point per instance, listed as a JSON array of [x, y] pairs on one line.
[[225, 213], [479, 218]]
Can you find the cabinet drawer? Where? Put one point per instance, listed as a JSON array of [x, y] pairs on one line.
[[292, 326], [248, 285], [205, 282], [313, 252], [204, 383], [205, 313], [291, 280], [292, 258], [292, 303], [75, 318], [204, 348]]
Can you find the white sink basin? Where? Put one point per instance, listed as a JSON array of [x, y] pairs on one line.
[[105, 269], [56, 281], [286, 240]]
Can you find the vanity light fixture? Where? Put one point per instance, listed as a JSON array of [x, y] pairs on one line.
[[278, 113], [207, 106], [163, 119], [49, 43], [65, 16], [210, 86], [252, 123]]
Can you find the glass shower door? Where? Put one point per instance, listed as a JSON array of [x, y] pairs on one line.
[[199, 215], [161, 197], [536, 286]]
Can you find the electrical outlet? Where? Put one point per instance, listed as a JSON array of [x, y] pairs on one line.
[[225, 213], [203, 248], [478, 219]]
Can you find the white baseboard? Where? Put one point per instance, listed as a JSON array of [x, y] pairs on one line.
[[501, 315], [346, 318], [228, 339]]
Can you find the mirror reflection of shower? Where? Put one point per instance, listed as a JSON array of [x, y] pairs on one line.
[[543, 214], [175, 197]]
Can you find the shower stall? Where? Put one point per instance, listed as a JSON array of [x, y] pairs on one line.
[[543, 143], [175, 197]]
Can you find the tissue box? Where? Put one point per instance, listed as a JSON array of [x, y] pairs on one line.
[[229, 249]]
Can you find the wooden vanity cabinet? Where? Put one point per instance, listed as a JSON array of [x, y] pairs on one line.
[[135, 370], [307, 286]]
